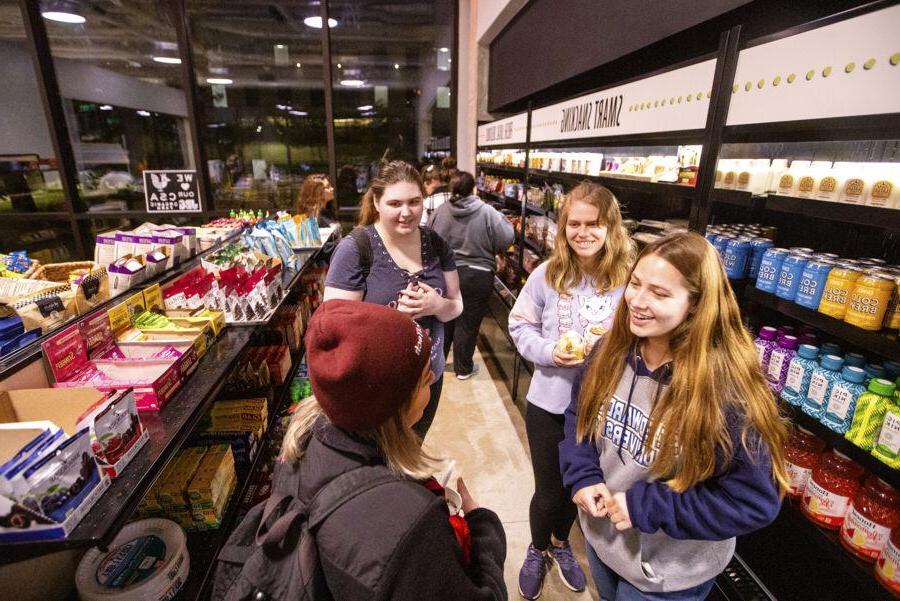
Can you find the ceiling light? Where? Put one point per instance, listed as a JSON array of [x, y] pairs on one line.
[[365, 107], [168, 60], [144, 113], [61, 17], [443, 50], [298, 113], [279, 46], [224, 81], [299, 65], [352, 83], [396, 66], [218, 70], [259, 129], [106, 107], [316, 22], [340, 66]]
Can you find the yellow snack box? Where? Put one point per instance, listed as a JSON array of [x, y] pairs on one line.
[[214, 471], [171, 491]]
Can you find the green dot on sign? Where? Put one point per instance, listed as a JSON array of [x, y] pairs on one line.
[[777, 81], [735, 89], [709, 94], [895, 59], [869, 64], [761, 83], [826, 71], [672, 100], [747, 86], [679, 100], [810, 74], [849, 68], [792, 77], [663, 102], [689, 97], [699, 96], [655, 103]]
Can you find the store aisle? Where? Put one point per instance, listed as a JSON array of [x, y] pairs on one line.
[[478, 426]]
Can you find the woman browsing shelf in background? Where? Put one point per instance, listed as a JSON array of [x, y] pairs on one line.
[[390, 260], [673, 442], [567, 304], [437, 190], [315, 194]]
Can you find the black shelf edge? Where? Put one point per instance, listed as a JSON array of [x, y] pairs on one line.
[[680, 137], [516, 172], [507, 295], [168, 429], [858, 127], [738, 198], [888, 219], [619, 183], [879, 343], [21, 357], [837, 441]]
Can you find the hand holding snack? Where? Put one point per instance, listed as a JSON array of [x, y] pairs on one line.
[[592, 499], [569, 350]]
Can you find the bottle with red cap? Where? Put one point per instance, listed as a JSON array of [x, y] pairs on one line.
[[875, 511], [887, 568], [833, 483], [801, 455]]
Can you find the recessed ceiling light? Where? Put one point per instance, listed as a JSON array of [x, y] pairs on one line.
[[316, 22], [105, 107], [218, 70], [219, 80], [365, 107], [61, 17], [352, 83], [340, 66], [144, 113], [299, 65], [298, 113], [443, 49], [168, 60], [259, 129], [279, 46], [396, 65]]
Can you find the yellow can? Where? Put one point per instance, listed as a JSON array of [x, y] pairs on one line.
[[869, 300], [841, 281], [892, 318]]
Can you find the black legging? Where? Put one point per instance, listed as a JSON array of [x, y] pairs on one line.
[[423, 425], [552, 510]]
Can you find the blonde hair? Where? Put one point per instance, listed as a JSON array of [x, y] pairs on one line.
[[391, 173], [399, 445], [716, 383], [615, 258], [309, 201]]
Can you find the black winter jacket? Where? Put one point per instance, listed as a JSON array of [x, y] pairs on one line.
[[395, 541]]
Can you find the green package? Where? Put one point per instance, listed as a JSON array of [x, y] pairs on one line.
[[871, 409]]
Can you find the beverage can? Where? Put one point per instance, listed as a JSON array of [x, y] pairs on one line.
[[758, 247], [892, 316], [737, 258], [801, 250], [769, 268], [721, 243], [812, 283], [868, 301], [841, 280], [789, 276]]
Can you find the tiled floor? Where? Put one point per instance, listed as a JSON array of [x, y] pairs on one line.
[[478, 426]]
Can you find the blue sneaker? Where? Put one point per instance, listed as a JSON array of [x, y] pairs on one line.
[[531, 576], [569, 571]]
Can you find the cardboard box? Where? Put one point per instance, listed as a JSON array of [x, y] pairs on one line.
[[171, 493], [213, 474]]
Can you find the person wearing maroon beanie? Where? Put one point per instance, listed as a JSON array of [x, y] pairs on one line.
[[369, 367]]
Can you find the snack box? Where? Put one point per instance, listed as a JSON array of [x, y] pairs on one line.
[[171, 492], [200, 339], [126, 272], [198, 319], [116, 432], [211, 517], [213, 475], [154, 380]]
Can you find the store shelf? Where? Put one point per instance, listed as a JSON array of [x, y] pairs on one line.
[[534, 247], [168, 430], [837, 441], [880, 343], [515, 172], [842, 212], [738, 198], [617, 183]]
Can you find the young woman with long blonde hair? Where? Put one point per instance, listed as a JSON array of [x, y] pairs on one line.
[[573, 296], [673, 441]]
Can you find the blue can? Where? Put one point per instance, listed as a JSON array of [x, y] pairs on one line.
[[812, 283], [789, 276], [758, 247], [721, 243], [711, 233], [769, 268], [737, 258]]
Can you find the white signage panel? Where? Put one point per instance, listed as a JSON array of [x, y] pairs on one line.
[[849, 68], [673, 101], [507, 131]]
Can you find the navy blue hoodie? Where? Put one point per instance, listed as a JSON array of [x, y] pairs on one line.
[[679, 540]]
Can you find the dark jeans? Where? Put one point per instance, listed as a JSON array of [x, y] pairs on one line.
[[475, 285], [614, 588], [423, 425], [552, 510]]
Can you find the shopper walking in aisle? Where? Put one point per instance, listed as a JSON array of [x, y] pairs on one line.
[[567, 301], [673, 443], [476, 232], [391, 260], [370, 371], [315, 194], [437, 190]]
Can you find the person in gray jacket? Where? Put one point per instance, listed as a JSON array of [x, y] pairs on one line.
[[476, 232]]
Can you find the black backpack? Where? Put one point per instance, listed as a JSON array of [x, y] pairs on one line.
[[272, 554]]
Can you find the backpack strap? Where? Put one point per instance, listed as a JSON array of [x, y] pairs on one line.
[[364, 247], [435, 241], [344, 488]]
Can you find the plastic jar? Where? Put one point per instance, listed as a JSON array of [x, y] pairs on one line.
[[887, 568], [800, 370], [841, 281], [871, 409], [887, 447], [801, 455], [832, 485], [875, 511], [868, 301]]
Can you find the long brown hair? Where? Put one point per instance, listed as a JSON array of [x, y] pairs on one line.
[[716, 377], [394, 172], [312, 192], [611, 269]]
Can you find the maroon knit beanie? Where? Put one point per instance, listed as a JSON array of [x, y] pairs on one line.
[[364, 361]]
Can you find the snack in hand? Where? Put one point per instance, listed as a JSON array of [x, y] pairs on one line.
[[572, 343]]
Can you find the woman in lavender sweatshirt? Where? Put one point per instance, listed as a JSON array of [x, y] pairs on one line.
[[574, 294]]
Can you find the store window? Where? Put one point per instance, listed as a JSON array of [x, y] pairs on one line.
[[391, 67], [259, 69], [29, 175], [118, 68]]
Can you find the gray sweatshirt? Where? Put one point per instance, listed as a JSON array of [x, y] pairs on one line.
[[475, 231]]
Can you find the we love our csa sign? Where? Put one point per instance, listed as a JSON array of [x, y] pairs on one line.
[[172, 191]]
